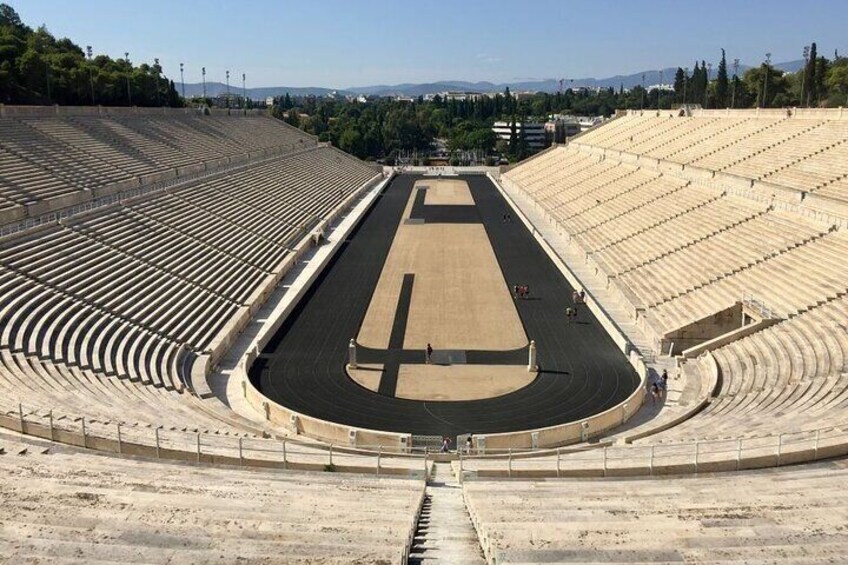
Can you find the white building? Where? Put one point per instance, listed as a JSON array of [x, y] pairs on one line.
[[534, 133]]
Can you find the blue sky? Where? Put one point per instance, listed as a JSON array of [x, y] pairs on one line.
[[341, 43]]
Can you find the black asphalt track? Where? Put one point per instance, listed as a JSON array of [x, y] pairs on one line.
[[303, 366]]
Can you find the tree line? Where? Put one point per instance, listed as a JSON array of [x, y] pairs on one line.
[[822, 82], [37, 68]]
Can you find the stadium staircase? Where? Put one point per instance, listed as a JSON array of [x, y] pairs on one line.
[[444, 533]]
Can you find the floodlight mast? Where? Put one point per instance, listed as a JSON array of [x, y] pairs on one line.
[[203, 72], [158, 87], [182, 81], [735, 80], [765, 80], [129, 72], [90, 53], [806, 53], [659, 90]]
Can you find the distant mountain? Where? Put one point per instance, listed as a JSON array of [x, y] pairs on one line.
[[791, 66], [651, 78], [665, 76], [218, 88]]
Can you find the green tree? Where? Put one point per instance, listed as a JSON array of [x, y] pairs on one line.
[[755, 86], [837, 82]]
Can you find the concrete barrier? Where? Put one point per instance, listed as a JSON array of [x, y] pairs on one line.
[[728, 337], [770, 190], [53, 205]]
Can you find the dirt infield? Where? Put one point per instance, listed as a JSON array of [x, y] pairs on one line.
[[447, 382], [446, 192], [459, 300]]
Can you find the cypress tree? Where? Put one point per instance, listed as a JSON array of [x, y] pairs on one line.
[[721, 83], [679, 84], [810, 93], [819, 78]]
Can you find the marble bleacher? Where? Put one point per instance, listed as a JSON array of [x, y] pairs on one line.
[[676, 261], [786, 515], [103, 313], [70, 506], [45, 157], [789, 377]]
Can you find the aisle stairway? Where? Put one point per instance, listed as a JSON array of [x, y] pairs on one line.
[[444, 533]]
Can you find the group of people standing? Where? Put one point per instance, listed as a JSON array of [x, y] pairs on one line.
[[659, 386], [446, 444], [577, 297]]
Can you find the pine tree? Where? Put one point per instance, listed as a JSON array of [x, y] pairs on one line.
[[721, 83]]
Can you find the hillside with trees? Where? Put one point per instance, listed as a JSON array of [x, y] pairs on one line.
[[384, 128], [37, 68]]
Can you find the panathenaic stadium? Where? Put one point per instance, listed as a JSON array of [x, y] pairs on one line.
[[222, 341]]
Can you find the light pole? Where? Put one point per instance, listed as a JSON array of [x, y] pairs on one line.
[[156, 68], [707, 87], [243, 92], [685, 82], [90, 52], [804, 74], [129, 72], [659, 91], [182, 81], [735, 80], [765, 80], [642, 101], [47, 76], [203, 72]]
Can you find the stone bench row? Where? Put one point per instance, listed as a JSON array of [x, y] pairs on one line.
[[193, 515]]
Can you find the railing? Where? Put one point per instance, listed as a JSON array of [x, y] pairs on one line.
[[756, 304], [198, 447], [672, 458]]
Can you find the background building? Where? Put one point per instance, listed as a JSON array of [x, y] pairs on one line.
[[533, 133]]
